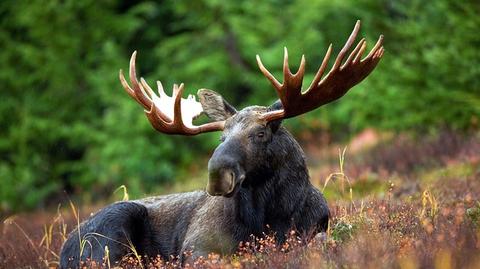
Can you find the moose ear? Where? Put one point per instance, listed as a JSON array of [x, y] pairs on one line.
[[275, 124], [214, 106]]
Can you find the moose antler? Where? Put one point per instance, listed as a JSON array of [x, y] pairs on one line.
[[322, 91], [170, 115]]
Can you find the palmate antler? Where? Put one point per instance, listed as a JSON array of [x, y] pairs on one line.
[[322, 91], [170, 115], [174, 115]]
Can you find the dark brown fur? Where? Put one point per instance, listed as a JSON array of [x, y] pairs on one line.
[[257, 178]]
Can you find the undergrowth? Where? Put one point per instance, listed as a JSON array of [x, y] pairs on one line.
[[426, 218]]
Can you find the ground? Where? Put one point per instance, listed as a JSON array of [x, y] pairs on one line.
[[397, 201]]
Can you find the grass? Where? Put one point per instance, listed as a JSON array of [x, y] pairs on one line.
[[385, 214]]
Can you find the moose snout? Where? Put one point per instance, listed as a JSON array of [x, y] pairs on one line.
[[221, 182], [224, 172]]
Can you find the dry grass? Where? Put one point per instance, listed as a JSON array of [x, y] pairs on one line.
[[427, 216]]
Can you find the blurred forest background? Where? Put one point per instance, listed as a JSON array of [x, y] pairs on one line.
[[67, 126]]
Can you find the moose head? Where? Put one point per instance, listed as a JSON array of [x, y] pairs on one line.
[[252, 137]]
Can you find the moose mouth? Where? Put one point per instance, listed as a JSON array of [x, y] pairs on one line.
[[226, 184], [235, 186]]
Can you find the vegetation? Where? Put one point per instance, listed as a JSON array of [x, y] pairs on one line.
[[67, 127], [426, 216]]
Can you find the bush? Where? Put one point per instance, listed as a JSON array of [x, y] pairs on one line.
[[67, 125]]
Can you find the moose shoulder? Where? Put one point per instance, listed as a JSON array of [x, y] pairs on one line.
[[257, 175]]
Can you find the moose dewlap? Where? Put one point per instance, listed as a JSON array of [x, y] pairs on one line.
[[258, 180]]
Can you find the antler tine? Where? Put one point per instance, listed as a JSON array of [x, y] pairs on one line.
[[146, 87], [321, 70], [377, 46], [160, 90], [137, 88], [355, 52], [292, 83], [347, 46], [301, 68], [177, 105], [126, 86], [286, 68], [297, 80], [129, 90], [381, 52], [268, 75], [152, 95], [360, 52]]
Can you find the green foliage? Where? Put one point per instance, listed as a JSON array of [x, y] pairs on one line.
[[474, 214], [343, 231], [67, 125], [429, 76]]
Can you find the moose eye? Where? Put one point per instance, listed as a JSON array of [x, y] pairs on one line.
[[260, 134]]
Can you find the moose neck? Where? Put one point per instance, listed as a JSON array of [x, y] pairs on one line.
[[271, 194]]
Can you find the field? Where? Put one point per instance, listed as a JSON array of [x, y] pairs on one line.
[[397, 201]]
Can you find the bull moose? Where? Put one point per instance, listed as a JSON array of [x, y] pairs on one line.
[[258, 179]]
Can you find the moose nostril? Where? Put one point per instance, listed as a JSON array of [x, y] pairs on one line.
[[232, 175], [221, 181], [228, 177]]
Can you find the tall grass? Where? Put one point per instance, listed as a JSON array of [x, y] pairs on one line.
[[434, 225]]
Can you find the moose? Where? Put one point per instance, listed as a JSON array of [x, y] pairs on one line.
[[258, 181]]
